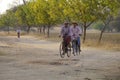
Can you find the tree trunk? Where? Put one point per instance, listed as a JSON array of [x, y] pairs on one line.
[[8, 30], [101, 34], [24, 2], [28, 30], [85, 26], [106, 23], [44, 29], [84, 33], [40, 29], [48, 32]]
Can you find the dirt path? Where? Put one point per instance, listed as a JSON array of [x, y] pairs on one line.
[[31, 59]]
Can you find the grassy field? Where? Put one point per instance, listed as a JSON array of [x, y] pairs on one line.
[[11, 33], [110, 41]]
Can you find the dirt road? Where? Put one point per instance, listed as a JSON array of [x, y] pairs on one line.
[[29, 58]]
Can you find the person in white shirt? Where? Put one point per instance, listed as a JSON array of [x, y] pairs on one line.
[[65, 33], [65, 30], [76, 33]]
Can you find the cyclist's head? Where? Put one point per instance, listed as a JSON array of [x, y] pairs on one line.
[[66, 24], [75, 24]]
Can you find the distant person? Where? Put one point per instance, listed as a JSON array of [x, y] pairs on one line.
[[18, 32], [76, 33], [65, 33]]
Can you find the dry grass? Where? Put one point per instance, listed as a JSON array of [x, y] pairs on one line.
[[107, 37], [53, 37], [11, 33], [110, 41]]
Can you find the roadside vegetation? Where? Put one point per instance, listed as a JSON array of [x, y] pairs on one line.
[[110, 41], [40, 16]]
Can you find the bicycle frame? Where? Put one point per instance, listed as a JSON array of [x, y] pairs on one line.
[[76, 46], [63, 49]]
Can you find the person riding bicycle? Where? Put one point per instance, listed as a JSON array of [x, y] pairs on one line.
[[76, 33], [18, 32], [65, 33]]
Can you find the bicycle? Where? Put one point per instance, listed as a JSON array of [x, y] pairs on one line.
[[65, 50], [76, 46], [18, 34]]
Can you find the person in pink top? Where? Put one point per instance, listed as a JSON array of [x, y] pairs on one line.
[[76, 33], [65, 33]]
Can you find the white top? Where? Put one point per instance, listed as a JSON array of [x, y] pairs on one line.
[[18, 31], [76, 31], [65, 31]]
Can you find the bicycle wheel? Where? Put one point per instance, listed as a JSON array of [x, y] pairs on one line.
[[62, 50], [69, 50], [74, 47], [77, 49], [78, 45]]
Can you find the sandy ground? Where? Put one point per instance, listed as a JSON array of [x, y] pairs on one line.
[[29, 58]]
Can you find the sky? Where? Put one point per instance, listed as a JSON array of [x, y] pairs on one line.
[[6, 4]]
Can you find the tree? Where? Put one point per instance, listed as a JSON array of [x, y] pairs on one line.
[[8, 19], [25, 15], [108, 9], [83, 11]]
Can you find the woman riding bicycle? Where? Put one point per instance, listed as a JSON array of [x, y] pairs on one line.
[[65, 33], [76, 33]]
